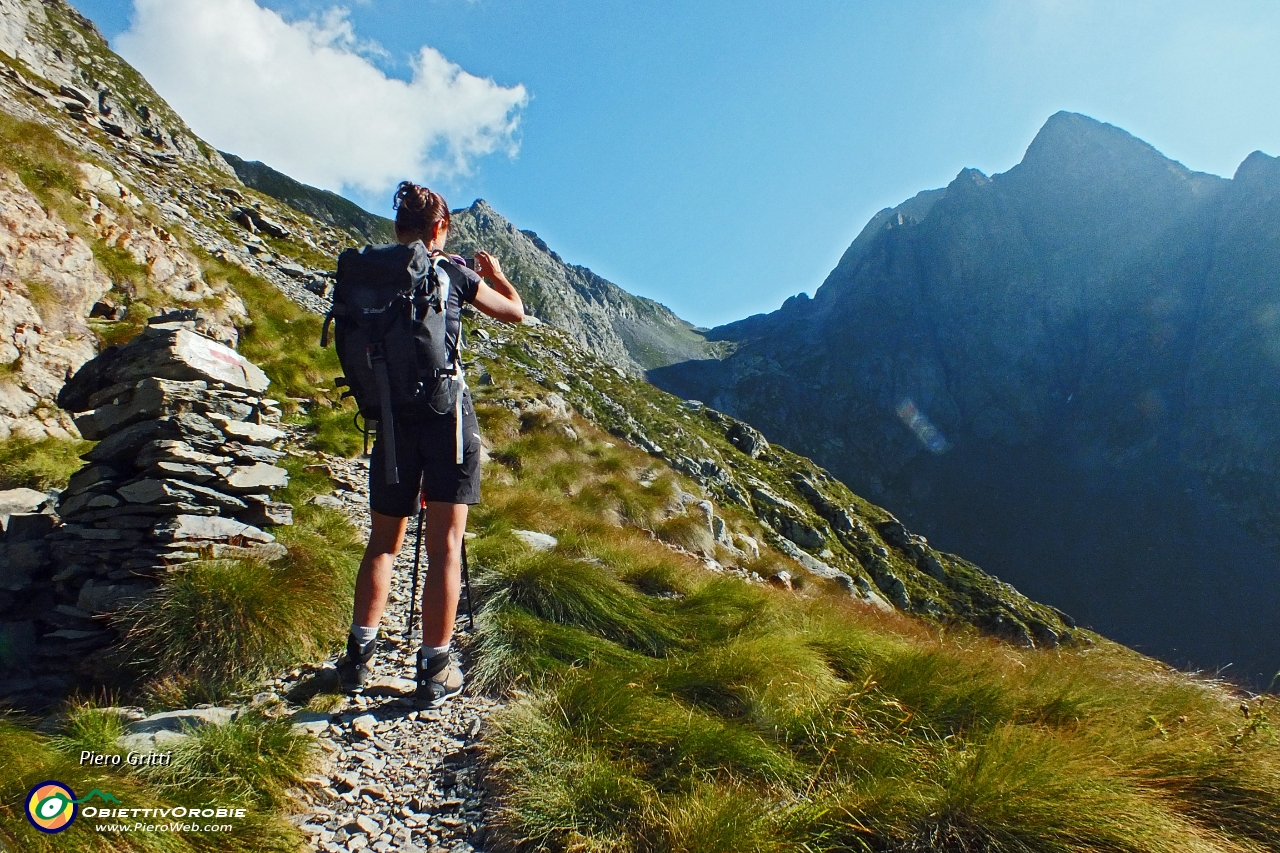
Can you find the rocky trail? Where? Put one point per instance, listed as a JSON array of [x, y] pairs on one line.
[[395, 775]]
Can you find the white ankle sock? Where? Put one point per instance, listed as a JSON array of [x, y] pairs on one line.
[[429, 652], [364, 636]]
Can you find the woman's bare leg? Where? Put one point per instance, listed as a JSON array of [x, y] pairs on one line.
[[373, 583], [446, 523]]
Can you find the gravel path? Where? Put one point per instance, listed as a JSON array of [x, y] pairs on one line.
[[397, 775]]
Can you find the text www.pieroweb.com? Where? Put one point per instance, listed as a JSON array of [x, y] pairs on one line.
[[176, 819]]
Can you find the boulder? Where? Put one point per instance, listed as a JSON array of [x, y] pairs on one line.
[[535, 540], [21, 501], [747, 439], [707, 510], [161, 732], [162, 352], [813, 565], [865, 592]]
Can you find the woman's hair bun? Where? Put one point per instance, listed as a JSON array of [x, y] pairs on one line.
[[418, 209]]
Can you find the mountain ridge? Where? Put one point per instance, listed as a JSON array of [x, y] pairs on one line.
[[633, 332], [687, 637], [324, 205], [1086, 326]]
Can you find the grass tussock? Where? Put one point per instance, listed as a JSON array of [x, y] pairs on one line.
[[39, 463], [667, 709], [215, 627], [248, 763]]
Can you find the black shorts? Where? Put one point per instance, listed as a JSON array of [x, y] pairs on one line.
[[425, 454]]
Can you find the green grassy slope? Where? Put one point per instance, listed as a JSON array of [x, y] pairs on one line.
[[666, 707]]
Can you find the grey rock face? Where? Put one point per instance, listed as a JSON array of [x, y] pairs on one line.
[[103, 91], [629, 331], [747, 439], [815, 566]]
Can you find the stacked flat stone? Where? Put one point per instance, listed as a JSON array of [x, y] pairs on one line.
[[183, 470]]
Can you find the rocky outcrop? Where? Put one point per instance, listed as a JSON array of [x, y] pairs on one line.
[[184, 469], [172, 272], [51, 283], [82, 77], [48, 284]]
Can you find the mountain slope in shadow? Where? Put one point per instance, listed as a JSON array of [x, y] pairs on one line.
[[1093, 338]]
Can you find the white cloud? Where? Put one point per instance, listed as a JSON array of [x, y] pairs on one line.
[[304, 98]]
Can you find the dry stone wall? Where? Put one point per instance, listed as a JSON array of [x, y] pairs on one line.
[[184, 469]]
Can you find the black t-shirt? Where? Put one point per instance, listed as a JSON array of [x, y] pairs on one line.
[[463, 285]]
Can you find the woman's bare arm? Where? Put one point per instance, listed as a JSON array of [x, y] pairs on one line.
[[500, 301]]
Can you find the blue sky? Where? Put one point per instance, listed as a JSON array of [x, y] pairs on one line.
[[680, 150]]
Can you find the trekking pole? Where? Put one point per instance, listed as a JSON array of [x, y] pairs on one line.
[[466, 579], [417, 561]]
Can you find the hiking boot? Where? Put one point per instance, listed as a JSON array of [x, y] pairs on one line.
[[439, 679], [354, 667]]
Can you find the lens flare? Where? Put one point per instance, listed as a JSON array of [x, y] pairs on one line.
[[923, 428]]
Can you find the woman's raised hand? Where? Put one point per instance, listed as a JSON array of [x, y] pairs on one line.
[[487, 266], [496, 297]]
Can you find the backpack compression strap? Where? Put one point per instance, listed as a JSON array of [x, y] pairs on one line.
[[462, 382], [386, 417], [457, 362]]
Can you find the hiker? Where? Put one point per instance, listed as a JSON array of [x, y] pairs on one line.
[[438, 465]]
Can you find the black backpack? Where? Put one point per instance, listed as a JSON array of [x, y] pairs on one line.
[[389, 310]]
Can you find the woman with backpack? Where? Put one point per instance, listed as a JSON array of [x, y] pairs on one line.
[[426, 454]]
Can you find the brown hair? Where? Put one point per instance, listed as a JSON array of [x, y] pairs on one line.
[[418, 209]]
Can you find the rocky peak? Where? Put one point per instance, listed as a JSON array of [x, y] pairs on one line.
[[631, 332], [1072, 140], [1093, 332], [1258, 169]]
